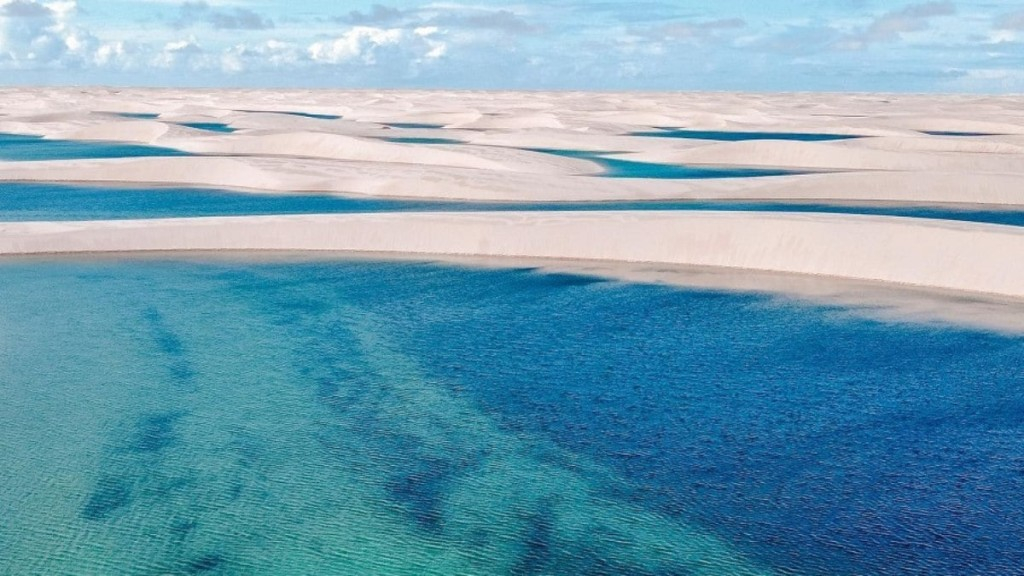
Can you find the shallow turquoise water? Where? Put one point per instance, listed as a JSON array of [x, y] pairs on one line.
[[41, 202], [356, 418], [211, 127], [139, 115], [618, 168], [24, 148]]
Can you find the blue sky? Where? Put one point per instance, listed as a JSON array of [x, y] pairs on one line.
[[776, 45]]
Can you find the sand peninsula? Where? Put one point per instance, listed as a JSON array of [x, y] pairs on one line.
[[860, 149]]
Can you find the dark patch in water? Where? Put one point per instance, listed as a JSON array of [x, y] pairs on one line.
[[170, 345], [539, 547], [109, 496], [204, 564], [155, 433], [166, 340], [422, 491], [181, 530]]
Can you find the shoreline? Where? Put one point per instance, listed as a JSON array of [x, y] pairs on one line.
[[274, 149], [875, 301], [968, 257]]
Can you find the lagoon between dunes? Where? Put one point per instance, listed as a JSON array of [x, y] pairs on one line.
[[440, 332], [844, 151]]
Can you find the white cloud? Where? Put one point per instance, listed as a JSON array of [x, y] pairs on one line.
[[187, 54], [37, 34], [268, 54], [364, 44], [34, 33], [359, 43]]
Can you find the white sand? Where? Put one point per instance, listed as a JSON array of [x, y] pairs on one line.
[[956, 256], [986, 169], [274, 152]]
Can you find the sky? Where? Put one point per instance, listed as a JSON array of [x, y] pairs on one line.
[[750, 45]]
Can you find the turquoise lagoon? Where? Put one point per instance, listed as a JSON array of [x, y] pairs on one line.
[[41, 202], [188, 416], [21, 147], [619, 168], [210, 127]]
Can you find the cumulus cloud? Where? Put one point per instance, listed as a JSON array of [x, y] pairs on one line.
[[186, 54], [269, 54], [891, 26], [34, 34], [200, 12], [359, 43], [365, 44]]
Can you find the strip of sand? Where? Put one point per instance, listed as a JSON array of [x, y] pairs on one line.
[[955, 256]]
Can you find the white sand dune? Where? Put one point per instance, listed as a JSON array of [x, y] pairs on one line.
[[439, 182], [940, 144], [439, 118], [135, 131], [336, 147], [235, 174], [834, 156], [520, 121], [956, 256], [274, 152]]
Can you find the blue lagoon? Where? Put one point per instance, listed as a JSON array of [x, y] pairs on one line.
[[236, 416], [60, 202], [14, 147]]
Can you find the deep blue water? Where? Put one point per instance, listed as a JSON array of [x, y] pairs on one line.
[[617, 168], [210, 126], [24, 148], [40, 202], [730, 136], [356, 418]]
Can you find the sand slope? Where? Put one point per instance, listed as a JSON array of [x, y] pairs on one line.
[[957, 256], [274, 151]]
